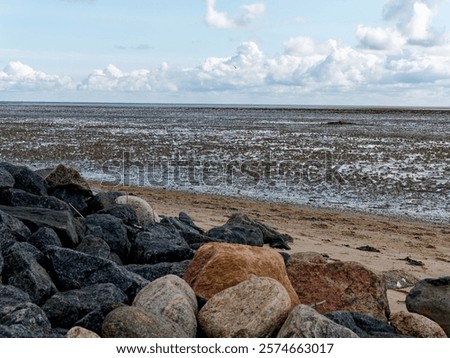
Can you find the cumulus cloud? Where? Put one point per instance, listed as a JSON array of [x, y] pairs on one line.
[[223, 20], [17, 76], [141, 80], [378, 38]]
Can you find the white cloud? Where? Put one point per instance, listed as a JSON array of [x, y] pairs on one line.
[[17, 76], [142, 80], [222, 20], [378, 38]]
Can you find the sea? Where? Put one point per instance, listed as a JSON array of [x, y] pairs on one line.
[[387, 161]]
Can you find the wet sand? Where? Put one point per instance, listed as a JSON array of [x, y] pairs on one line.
[[335, 233]]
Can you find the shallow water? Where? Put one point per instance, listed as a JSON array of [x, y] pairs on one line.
[[382, 160]]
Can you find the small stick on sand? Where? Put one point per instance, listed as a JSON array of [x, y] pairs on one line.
[[318, 304]]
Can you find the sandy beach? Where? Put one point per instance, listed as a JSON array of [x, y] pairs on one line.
[[337, 234]]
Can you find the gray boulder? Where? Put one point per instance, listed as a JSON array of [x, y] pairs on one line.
[[431, 298], [6, 179], [255, 308], [18, 197], [159, 244], [94, 246], [305, 322], [123, 212], [172, 302], [12, 228], [22, 269], [64, 309], [43, 237], [238, 233], [60, 221], [75, 270], [26, 179], [110, 229]]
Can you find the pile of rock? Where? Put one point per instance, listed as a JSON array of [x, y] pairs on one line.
[[74, 263]]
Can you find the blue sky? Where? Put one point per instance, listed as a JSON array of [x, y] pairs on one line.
[[321, 52]]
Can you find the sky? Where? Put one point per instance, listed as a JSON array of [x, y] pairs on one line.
[[293, 52]]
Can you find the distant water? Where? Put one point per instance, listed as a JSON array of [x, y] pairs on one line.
[[393, 161]]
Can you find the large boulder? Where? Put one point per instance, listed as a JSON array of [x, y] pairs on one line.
[[111, 230], [431, 298], [305, 322], [254, 308], [143, 209], [218, 266], [60, 221], [6, 179], [101, 201], [170, 299], [43, 237], [345, 286], [94, 246], [74, 270], [134, 322], [63, 177], [26, 179], [415, 325], [159, 243], [22, 270], [12, 228], [18, 197], [64, 309]]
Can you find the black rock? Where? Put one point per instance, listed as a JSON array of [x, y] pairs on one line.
[[12, 228], [18, 197], [93, 321], [6, 179], [238, 234], [286, 257], [270, 235], [75, 198], [26, 179], [29, 316], [159, 244], [74, 270], [153, 272], [185, 218], [34, 218], [19, 317], [124, 212], [64, 309], [22, 270], [194, 238], [364, 326], [94, 246], [2, 261], [110, 229], [44, 236], [101, 201]]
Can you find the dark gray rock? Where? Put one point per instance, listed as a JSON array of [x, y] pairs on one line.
[[6, 179], [19, 317], [22, 270], [65, 177], [364, 326], [238, 234], [94, 246], [110, 229], [34, 218], [431, 298], [18, 197], [270, 235], [44, 236], [64, 309], [26, 179], [75, 198], [93, 321], [101, 201], [2, 261], [159, 244], [153, 272], [12, 228], [29, 316], [124, 212], [74, 270], [186, 219]]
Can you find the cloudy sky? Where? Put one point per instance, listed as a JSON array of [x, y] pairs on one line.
[[321, 52]]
